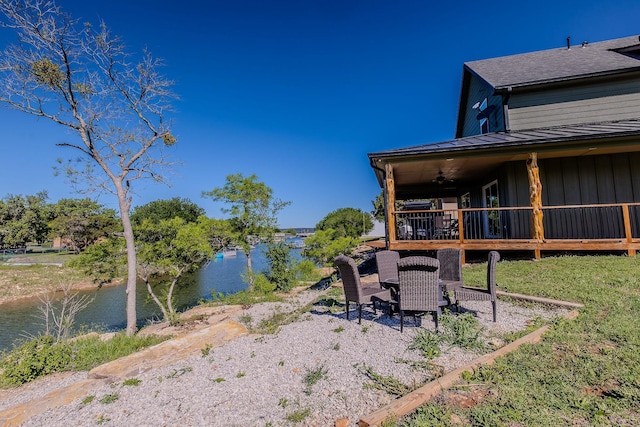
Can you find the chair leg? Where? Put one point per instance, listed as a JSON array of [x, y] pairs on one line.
[[435, 319], [495, 307], [359, 314], [401, 320], [346, 309]]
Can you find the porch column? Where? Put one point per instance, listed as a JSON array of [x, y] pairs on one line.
[[535, 197], [391, 203]]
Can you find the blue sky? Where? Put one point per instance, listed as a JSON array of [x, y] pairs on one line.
[[298, 92]]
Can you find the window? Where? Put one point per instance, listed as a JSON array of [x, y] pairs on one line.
[[465, 201], [484, 109], [484, 120]]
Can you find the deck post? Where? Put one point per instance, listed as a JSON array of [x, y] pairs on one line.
[[627, 229], [391, 203], [535, 197]]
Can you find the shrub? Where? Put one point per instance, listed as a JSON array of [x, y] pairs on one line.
[[42, 356], [33, 359]]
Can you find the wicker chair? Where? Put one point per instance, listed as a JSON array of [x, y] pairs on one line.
[[489, 294], [354, 291], [387, 263], [418, 286], [450, 268]]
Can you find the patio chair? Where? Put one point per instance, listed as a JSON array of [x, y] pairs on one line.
[[387, 263], [353, 289], [442, 227], [475, 294], [450, 267], [418, 288]]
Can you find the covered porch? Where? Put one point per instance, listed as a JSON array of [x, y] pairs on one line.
[[527, 191]]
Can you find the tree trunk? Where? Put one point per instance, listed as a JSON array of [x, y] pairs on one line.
[[156, 299], [535, 196], [249, 267], [124, 205]]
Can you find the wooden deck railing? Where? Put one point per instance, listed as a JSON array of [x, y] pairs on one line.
[[572, 227]]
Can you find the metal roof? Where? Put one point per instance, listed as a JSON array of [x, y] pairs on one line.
[[567, 133], [554, 65]]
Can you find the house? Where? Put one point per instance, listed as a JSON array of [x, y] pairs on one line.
[[546, 157]]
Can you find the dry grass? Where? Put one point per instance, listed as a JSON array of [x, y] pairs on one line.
[[23, 281]]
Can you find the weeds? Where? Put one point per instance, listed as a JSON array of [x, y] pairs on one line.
[[102, 419], [461, 331], [132, 382], [278, 319], [206, 350], [109, 398], [458, 331], [179, 372], [312, 377], [427, 342], [88, 400], [388, 384], [299, 415], [246, 320]]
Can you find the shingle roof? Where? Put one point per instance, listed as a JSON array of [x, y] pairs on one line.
[[553, 65], [522, 138]]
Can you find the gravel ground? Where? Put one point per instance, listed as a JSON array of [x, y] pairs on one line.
[[267, 380]]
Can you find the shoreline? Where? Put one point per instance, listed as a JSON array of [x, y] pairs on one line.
[[36, 293]]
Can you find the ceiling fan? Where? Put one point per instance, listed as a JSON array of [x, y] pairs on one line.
[[440, 179]]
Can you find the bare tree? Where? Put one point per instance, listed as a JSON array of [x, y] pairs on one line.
[[81, 78], [58, 322]]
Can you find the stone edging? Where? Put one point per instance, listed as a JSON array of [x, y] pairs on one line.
[[419, 397]]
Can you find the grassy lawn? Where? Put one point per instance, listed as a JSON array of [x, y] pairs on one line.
[[584, 372], [18, 281]]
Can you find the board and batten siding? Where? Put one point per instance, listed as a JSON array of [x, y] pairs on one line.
[[585, 180], [478, 91], [602, 102]]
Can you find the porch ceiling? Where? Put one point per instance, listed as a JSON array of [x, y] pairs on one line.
[[414, 175]]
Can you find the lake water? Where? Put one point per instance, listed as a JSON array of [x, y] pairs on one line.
[[107, 311]]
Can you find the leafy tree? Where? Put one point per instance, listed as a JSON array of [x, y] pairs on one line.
[[158, 210], [282, 266], [324, 245], [81, 222], [82, 78], [166, 251], [252, 208], [347, 222], [378, 207], [23, 220], [104, 260]]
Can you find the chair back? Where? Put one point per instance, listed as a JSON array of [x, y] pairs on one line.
[[494, 257], [450, 264], [387, 262], [418, 283], [350, 277]]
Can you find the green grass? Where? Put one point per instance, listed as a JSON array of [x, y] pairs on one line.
[[42, 356], [584, 371]]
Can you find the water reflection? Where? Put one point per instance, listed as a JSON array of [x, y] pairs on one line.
[[107, 311]]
